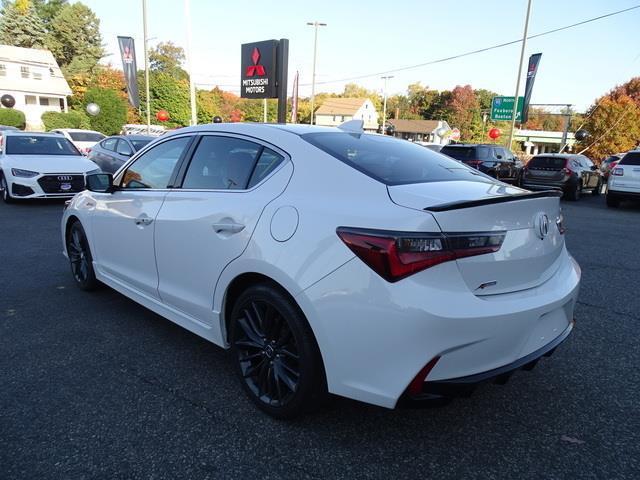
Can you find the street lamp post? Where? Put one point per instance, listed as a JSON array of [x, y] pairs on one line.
[[192, 85], [384, 103], [146, 64], [315, 25]]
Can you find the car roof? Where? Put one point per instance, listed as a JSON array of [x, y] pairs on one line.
[[75, 130], [135, 137], [249, 127], [559, 155], [20, 133]]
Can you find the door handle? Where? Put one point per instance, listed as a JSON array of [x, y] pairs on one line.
[[143, 220], [229, 227]]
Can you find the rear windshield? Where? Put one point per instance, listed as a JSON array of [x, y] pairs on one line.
[[390, 160], [547, 162], [632, 158], [138, 144], [466, 153], [86, 136], [39, 145]]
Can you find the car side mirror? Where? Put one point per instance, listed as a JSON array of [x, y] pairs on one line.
[[594, 168], [499, 157], [100, 183]]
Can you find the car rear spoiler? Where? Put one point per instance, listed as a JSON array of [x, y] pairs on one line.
[[444, 207]]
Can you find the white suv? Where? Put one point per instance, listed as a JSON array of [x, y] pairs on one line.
[[624, 180]]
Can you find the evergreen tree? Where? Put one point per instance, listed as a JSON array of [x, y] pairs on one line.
[[74, 39], [20, 26]]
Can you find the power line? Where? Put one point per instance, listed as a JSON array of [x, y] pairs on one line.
[[474, 52]]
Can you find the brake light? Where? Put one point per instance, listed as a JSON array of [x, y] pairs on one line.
[[396, 255], [415, 387], [618, 172]]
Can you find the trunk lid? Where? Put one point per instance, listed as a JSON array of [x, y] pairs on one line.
[[546, 169], [533, 243]]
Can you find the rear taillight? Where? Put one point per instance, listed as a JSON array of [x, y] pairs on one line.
[[618, 172], [396, 255], [474, 163], [567, 171]]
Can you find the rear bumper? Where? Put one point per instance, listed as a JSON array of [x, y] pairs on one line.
[[464, 386], [623, 194]]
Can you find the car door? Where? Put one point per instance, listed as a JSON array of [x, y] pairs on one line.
[[102, 155], [502, 171], [591, 172], [208, 222], [123, 221], [510, 168]]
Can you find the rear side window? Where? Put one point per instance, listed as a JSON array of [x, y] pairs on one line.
[[631, 158], [390, 160], [86, 136], [267, 163], [109, 144], [547, 162], [467, 153], [222, 163]]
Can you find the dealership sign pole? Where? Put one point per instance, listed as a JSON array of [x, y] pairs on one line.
[[524, 46], [264, 72]]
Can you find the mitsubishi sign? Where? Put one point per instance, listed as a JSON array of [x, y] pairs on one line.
[[259, 71]]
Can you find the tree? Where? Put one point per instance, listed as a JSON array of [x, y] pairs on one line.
[[48, 9], [20, 26], [614, 126], [113, 110], [167, 58], [168, 94], [464, 112], [74, 39]]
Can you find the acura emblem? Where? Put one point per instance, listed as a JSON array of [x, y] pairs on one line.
[[65, 178], [542, 225]]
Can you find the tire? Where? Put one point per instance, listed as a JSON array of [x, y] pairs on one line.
[[80, 258], [277, 358], [612, 202], [596, 191], [574, 194], [6, 194]]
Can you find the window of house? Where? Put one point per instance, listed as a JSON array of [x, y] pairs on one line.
[[44, 101], [30, 99], [37, 76], [3, 70], [24, 72]]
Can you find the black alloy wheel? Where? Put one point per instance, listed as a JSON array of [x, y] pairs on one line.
[[574, 194], [277, 356], [6, 194], [80, 258]]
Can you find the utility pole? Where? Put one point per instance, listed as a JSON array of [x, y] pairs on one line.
[[146, 64], [192, 85], [567, 124], [384, 103], [515, 100], [315, 25]]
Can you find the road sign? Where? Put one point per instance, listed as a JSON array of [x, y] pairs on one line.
[[455, 134], [502, 108]]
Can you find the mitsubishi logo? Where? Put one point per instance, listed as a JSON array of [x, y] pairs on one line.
[[255, 69], [541, 225]]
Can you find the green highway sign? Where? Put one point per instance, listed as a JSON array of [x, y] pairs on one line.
[[502, 108]]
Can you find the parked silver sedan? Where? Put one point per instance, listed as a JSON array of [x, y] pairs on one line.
[[112, 152]]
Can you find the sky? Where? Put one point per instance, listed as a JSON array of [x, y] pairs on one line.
[[366, 37]]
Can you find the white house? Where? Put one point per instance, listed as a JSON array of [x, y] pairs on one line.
[[420, 130], [335, 111], [34, 79]]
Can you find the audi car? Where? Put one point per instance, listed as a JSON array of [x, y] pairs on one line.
[[331, 261], [41, 165], [84, 140]]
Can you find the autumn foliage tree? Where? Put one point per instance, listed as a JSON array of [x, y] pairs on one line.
[[613, 121]]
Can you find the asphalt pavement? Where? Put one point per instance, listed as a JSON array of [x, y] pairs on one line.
[[93, 385]]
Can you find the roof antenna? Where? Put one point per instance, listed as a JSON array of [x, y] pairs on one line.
[[352, 126]]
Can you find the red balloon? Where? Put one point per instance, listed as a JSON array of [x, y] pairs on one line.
[[494, 133], [162, 115]]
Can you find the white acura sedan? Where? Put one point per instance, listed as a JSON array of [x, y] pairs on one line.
[[330, 260], [41, 165]]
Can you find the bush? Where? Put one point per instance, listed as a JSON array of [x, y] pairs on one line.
[[72, 119], [12, 118], [113, 110]]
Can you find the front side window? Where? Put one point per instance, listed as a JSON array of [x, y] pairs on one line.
[[222, 163], [390, 160], [40, 145], [154, 168], [123, 148]]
